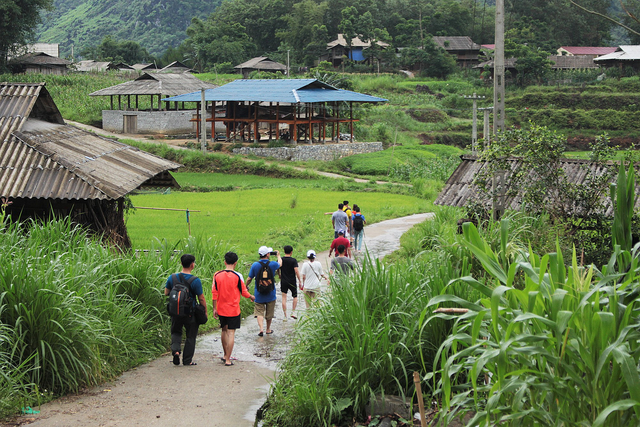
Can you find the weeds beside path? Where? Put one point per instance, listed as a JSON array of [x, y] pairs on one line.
[[223, 396]]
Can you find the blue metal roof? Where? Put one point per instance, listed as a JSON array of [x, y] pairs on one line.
[[291, 91]]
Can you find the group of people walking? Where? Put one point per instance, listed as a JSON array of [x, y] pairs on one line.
[[350, 224], [229, 286]]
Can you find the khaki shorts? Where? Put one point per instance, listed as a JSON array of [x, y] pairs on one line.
[[265, 310]]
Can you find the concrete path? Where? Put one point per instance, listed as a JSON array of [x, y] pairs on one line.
[[160, 394]]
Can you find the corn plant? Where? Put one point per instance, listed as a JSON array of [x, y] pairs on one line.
[[547, 344]]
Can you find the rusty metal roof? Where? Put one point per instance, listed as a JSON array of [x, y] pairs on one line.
[[41, 157], [460, 189], [156, 83]]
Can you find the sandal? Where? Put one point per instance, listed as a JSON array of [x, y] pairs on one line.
[[260, 333], [269, 333], [228, 364], [191, 364]]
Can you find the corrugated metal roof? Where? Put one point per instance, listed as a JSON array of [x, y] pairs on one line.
[[460, 189], [41, 157], [456, 43], [153, 84], [292, 91], [623, 53], [39, 58], [587, 50], [262, 63], [91, 65]]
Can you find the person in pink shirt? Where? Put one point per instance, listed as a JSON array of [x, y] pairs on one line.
[[228, 286]]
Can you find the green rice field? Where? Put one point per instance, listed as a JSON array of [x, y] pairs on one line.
[[247, 219]]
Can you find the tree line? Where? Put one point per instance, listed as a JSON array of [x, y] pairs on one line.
[[240, 29]]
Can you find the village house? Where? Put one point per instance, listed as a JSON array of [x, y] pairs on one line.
[[127, 116], [623, 56], [461, 47], [38, 62], [51, 169], [339, 49]]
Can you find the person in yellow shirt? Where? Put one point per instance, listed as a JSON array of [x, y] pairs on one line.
[[347, 210]]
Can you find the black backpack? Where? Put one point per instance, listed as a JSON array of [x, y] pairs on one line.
[[358, 222], [265, 283], [180, 300]]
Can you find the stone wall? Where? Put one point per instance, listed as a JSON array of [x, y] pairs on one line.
[[313, 152]]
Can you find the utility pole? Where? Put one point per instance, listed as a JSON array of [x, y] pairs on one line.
[[474, 129], [288, 71], [498, 71], [487, 128]]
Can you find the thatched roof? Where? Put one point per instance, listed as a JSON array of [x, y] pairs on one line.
[[154, 84], [460, 190]]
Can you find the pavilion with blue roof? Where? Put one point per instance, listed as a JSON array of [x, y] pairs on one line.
[[303, 106]]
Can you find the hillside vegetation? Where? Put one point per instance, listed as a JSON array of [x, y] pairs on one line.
[[154, 24]]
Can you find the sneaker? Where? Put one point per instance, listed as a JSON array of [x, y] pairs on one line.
[[176, 358], [293, 315], [284, 320]]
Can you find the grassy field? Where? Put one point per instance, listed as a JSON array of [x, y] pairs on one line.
[[250, 218]]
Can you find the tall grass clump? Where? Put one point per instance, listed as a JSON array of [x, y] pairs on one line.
[[74, 313], [548, 343], [364, 339]]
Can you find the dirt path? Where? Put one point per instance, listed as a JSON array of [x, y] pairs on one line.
[[210, 393]]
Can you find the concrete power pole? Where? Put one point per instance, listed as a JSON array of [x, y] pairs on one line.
[[498, 67], [474, 129]]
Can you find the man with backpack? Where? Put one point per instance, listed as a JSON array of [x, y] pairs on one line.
[[228, 286], [264, 272], [359, 222], [182, 289]]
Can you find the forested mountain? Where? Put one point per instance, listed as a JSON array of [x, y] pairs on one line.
[[155, 24]]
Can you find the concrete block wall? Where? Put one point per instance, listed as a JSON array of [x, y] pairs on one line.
[[169, 122], [313, 152]]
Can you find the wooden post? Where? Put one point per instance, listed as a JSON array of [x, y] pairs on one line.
[[416, 381], [337, 112], [203, 117], [129, 102], [213, 122], [119, 102], [277, 120], [256, 133], [111, 101], [310, 113], [351, 119], [136, 102], [295, 122]]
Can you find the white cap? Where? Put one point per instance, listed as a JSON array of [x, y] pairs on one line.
[[264, 250], [310, 253]]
